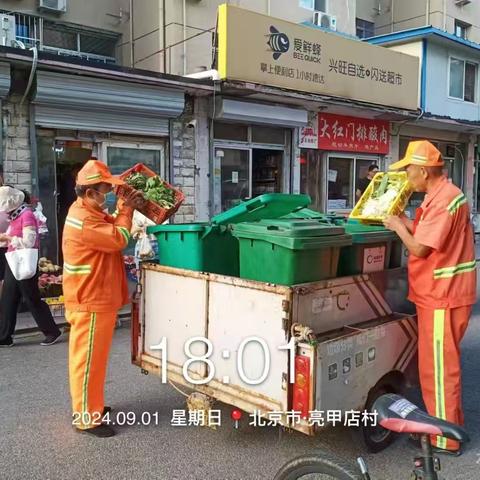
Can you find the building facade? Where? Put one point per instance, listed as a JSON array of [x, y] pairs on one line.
[[458, 17]]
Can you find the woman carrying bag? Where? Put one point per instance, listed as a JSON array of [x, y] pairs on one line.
[[21, 275]]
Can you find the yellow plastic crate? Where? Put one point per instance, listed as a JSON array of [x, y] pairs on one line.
[[397, 206]]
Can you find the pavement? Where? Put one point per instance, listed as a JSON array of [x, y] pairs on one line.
[[37, 440]]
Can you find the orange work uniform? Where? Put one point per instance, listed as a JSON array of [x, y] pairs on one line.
[[95, 287], [443, 287]]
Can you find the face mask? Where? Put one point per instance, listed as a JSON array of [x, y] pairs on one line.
[[110, 199], [101, 205]]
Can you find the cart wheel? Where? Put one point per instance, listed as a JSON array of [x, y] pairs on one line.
[[377, 438]]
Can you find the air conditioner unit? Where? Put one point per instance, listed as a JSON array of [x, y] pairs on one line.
[[58, 6], [7, 30], [321, 19], [461, 3]]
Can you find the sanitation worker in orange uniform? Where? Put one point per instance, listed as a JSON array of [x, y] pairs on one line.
[[95, 288], [442, 281]]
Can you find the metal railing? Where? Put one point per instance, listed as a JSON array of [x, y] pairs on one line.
[[30, 29]]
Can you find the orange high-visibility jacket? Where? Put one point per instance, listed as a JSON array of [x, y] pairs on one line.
[[94, 278]]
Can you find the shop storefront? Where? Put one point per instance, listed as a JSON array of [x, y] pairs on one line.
[[336, 152], [79, 117], [252, 150]]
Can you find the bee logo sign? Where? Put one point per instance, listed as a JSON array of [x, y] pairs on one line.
[[278, 42]]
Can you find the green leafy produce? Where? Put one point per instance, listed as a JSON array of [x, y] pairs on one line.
[[154, 188]]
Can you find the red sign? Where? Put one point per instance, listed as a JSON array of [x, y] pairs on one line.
[[352, 134]]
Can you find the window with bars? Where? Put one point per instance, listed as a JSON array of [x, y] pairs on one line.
[[365, 29], [77, 41], [64, 39]]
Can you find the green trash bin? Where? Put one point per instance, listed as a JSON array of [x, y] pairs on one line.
[[371, 249], [289, 251], [210, 247]]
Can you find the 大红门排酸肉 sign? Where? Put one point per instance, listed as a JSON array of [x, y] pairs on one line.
[[346, 134], [265, 50]]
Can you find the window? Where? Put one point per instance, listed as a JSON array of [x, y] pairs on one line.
[[230, 131], [270, 135], [70, 41], [463, 80], [343, 175], [318, 5], [365, 29], [462, 29]]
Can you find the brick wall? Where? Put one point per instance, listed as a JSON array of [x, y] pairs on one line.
[[17, 165], [183, 157]]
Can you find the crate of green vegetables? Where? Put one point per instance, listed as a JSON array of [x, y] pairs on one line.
[[163, 200], [387, 194]]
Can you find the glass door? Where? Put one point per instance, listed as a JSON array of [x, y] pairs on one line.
[[121, 156], [232, 177]]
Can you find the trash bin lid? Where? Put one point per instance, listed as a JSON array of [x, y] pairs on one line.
[[272, 205], [362, 233], [286, 227]]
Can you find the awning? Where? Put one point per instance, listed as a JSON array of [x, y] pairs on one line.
[[100, 105], [259, 113]]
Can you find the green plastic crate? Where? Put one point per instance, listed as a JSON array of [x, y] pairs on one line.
[[211, 247], [197, 246], [289, 252], [371, 249]]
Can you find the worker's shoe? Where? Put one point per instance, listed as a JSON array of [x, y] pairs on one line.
[[51, 339], [100, 431], [414, 441], [6, 343]]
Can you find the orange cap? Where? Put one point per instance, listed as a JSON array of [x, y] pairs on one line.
[[420, 152], [94, 172]]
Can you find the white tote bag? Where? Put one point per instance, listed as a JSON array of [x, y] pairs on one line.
[[23, 262]]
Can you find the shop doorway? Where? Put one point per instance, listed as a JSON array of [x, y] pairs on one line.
[[266, 171], [58, 163], [70, 156], [244, 173]]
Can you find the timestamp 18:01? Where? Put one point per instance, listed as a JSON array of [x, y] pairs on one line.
[[205, 358]]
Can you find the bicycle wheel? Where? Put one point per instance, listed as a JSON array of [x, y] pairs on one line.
[[317, 467]]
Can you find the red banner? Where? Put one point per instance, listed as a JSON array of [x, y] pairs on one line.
[[352, 134]]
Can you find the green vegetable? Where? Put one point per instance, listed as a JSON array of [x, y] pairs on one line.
[[154, 189]]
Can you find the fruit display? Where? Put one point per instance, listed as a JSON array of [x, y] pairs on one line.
[[47, 266], [50, 279]]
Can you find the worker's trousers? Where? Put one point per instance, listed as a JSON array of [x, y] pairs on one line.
[[90, 340], [439, 335]]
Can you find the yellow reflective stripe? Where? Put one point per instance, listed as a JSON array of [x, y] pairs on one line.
[[73, 222], [91, 334], [456, 203], [449, 272], [438, 335], [419, 158], [94, 177], [115, 214], [124, 231], [77, 269]]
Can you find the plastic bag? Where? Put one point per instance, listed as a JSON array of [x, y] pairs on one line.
[[41, 219], [143, 248]]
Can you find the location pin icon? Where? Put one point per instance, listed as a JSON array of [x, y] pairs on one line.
[[236, 416]]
